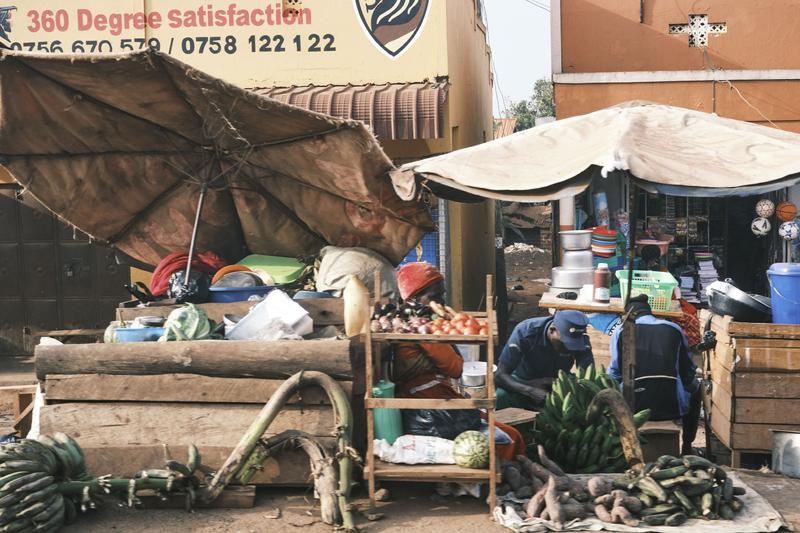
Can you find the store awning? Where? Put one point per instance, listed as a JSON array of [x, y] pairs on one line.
[[665, 149], [396, 111]]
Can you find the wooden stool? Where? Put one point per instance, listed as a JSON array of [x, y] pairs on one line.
[[520, 419], [663, 438]]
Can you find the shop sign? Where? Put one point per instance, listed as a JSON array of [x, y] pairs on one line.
[[249, 42]]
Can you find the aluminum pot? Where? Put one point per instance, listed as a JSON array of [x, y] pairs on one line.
[[577, 259], [577, 239], [786, 452], [571, 278]]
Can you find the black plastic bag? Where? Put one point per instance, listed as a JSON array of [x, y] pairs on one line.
[[196, 291], [446, 424]]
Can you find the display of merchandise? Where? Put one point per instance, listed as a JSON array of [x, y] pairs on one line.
[[604, 242], [706, 273]]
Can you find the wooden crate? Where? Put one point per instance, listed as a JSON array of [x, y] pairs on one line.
[[755, 374]]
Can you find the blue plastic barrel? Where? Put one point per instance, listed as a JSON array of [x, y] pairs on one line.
[[784, 279]]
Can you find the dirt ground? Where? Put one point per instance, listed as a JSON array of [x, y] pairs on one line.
[[527, 271], [413, 508]]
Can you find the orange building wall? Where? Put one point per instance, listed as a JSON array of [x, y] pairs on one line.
[[606, 35]]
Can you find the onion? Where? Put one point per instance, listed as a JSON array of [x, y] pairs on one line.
[[423, 330]]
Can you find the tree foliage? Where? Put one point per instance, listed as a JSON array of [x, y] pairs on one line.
[[541, 104]]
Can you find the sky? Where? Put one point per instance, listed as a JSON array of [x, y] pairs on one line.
[[519, 34]]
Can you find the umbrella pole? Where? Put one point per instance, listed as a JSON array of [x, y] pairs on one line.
[[628, 352], [200, 202]]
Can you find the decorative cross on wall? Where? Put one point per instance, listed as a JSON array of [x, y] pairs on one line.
[[699, 29]]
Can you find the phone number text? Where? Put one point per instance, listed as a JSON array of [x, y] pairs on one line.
[[227, 44]]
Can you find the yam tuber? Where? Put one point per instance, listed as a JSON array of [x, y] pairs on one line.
[[621, 514], [524, 492], [602, 513], [554, 507], [548, 464], [536, 504], [512, 476], [632, 504], [573, 511], [599, 486]]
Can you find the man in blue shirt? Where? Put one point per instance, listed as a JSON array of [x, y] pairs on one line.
[[536, 350], [665, 378]]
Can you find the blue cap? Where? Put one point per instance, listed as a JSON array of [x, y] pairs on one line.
[[571, 326]]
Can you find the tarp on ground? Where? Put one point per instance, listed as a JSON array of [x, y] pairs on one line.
[[119, 147], [665, 149]]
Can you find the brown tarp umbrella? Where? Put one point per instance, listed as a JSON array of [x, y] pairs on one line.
[[120, 147]]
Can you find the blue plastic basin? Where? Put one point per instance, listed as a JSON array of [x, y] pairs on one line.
[[237, 294], [138, 334]]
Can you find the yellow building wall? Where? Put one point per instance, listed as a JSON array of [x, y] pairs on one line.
[[472, 228]]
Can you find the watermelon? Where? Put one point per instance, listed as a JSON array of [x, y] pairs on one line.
[[471, 450]]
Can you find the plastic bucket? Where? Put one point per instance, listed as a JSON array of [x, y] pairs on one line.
[[784, 280]]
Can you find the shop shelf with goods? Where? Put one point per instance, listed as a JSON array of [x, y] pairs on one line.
[[376, 469]]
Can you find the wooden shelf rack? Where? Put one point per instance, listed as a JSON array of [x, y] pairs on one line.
[[377, 469]]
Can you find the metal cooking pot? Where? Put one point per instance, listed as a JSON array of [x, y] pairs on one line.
[[786, 452], [571, 278], [577, 259], [577, 239], [725, 299]]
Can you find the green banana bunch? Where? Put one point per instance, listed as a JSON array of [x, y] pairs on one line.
[[29, 475], [568, 437]]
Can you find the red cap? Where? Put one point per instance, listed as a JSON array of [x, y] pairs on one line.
[[414, 277]]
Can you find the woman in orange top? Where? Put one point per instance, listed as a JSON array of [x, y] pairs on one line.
[[426, 370]]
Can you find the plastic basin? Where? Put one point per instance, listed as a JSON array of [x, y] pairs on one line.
[[138, 334], [237, 294]]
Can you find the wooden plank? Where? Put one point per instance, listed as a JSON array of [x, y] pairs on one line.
[[549, 301], [767, 385], [724, 355], [290, 468], [72, 333], [722, 400], [428, 473], [743, 342], [721, 376], [425, 403], [277, 359], [766, 331], [22, 423], [766, 359], [721, 426], [654, 427], [757, 437], [324, 311], [414, 337], [175, 388], [767, 411], [514, 416], [232, 497], [139, 424]]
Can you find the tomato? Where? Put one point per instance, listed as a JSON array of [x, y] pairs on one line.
[[438, 332], [483, 331], [471, 331], [460, 317], [471, 323]]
